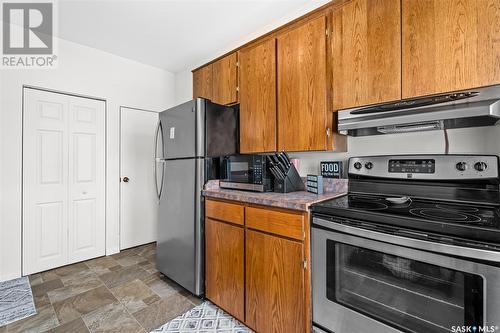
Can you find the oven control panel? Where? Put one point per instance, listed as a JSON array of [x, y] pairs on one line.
[[412, 166], [431, 167]]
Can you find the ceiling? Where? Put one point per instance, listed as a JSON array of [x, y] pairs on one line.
[[174, 35]]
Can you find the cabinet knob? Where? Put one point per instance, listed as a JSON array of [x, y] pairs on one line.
[[126, 179]]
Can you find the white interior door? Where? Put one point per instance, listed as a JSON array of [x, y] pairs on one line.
[[138, 202], [87, 167], [63, 180]]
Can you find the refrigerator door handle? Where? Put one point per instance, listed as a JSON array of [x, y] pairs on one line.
[[159, 132]]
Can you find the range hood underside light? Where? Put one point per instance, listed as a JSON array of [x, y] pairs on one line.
[[424, 126], [415, 127]]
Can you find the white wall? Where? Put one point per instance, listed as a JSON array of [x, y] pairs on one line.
[[480, 140], [183, 87], [81, 70]]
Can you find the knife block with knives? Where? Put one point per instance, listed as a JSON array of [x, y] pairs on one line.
[[286, 176]]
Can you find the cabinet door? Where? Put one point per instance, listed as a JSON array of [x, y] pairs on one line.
[[366, 51], [202, 82], [450, 45], [224, 266], [302, 88], [258, 98], [274, 284], [225, 80]]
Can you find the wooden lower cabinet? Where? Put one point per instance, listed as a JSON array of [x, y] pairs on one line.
[[224, 272], [274, 283], [257, 265]]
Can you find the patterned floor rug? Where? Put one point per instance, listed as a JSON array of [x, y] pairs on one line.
[[16, 300], [205, 318]]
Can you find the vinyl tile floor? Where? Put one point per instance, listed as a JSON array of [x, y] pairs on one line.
[[119, 293]]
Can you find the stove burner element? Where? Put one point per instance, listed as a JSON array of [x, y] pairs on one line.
[[364, 198], [439, 215], [366, 203]]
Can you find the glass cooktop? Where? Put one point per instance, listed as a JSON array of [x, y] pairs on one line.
[[472, 221]]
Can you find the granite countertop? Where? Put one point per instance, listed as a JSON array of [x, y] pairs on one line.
[[294, 200]]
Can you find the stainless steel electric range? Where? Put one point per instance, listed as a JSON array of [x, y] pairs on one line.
[[413, 247]]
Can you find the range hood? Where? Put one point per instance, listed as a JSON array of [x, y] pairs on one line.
[[471, 108]]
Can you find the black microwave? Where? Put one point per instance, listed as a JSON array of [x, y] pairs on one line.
[[246, 172]]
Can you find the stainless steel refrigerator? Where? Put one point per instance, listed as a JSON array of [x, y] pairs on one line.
[[189, 139]]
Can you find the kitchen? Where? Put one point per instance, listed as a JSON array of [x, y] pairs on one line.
[[412, 247]]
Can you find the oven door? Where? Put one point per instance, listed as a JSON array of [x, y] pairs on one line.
[[361, 284]]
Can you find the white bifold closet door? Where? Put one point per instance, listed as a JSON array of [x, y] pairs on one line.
[[63, 179]]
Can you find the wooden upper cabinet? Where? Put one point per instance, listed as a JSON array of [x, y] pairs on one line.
[[225, 80], [450, 45], [225, 280], [202, 82], [275, 294], [258, 98], [302, 87], [366, 53]]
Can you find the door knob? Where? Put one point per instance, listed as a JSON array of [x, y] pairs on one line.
[[125, 179]]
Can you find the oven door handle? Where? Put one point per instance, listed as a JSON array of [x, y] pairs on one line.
[[461, 251]]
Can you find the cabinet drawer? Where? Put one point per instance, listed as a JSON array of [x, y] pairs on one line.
[[276, 222], [225, 211]]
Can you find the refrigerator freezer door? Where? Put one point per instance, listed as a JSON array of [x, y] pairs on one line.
[[180, 225], [183, 130]]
